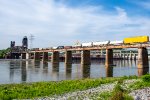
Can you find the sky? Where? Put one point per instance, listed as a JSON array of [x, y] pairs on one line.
[[64, 22]]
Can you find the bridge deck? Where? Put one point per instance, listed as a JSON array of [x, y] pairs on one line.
[[96, 48]]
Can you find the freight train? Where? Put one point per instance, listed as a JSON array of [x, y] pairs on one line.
[[130, 40]]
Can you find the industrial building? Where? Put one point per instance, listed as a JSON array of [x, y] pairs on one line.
[[15, 50]]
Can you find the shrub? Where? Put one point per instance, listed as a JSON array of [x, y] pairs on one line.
[[127, 97], [118, 88], [146, 78], [117, 96]]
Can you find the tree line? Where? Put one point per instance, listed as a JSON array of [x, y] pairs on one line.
[[4, 52]]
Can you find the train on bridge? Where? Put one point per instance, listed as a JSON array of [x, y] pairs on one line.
[[130, 40]]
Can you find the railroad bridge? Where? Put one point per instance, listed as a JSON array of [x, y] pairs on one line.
[[85, 54]]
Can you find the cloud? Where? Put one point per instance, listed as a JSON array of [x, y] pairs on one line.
[[53, 23]]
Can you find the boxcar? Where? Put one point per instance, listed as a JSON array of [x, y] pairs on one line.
[[100, 43], [137, 39]]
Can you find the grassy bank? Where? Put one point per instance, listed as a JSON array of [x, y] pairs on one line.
[[40, 89]]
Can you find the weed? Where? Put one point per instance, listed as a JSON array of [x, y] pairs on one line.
[[146, 78]]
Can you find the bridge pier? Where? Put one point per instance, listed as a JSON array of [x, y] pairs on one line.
[[45, 56], [121, 56], [143, 71], [68, 68], [142, 58], [109, 57], [27, 56], [23, 56], [55, 57], [68, 57], [127, 57], [134, 57], [36, 56], [130, 56], [85, 71], [14, 55], [109, 71], [85, 57]]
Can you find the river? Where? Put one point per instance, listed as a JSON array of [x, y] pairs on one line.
[[18, 71]]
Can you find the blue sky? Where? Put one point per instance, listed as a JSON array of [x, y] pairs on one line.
[[63, 22]]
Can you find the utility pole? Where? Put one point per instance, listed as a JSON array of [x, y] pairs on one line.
[[31, 38]]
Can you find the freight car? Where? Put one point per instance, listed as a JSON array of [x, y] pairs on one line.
[[67, 47], [116, 42], [89, 44], [60, 47], [137, 39], [103, 43]]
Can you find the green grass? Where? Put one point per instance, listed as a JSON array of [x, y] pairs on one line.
[[120, 94], [104, 96], [145, 82], [139, 85], [146, 78], [41, 89]]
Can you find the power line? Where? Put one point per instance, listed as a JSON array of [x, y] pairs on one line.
[[31, 38]]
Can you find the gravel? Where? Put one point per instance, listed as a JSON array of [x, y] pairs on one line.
[[141, 94], [92, 94], [83, 95]]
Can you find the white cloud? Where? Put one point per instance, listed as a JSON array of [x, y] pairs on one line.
[[56, 24]]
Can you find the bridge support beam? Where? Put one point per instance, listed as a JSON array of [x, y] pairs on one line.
[[109, 71], [68, 57], [23, 56], [134, 57], [45, 56], [27, 55], [55, 57], [85, 57], [130, 56], [127, 56], [36, 56], [142, 58], [109, 57]]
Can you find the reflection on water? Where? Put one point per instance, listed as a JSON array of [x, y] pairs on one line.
[[33, 71], [143, 71], [86, 71], [68, 68], [23, 71], [109, 71]]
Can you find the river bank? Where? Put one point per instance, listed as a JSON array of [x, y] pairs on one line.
[[80, 89]]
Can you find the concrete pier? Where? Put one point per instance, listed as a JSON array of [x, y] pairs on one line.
[[68, 57], [109, 57], [36, 56], [55, 68], [127, 56], [143, 71], [134, 57], [109, 71], [130, 56], [45, 56], [85, 71], [85, 57], [27, 56], [55, 57], [68, 68], [142, 58], [23, 56]]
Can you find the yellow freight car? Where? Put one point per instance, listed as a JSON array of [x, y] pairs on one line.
[[137, 39]]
